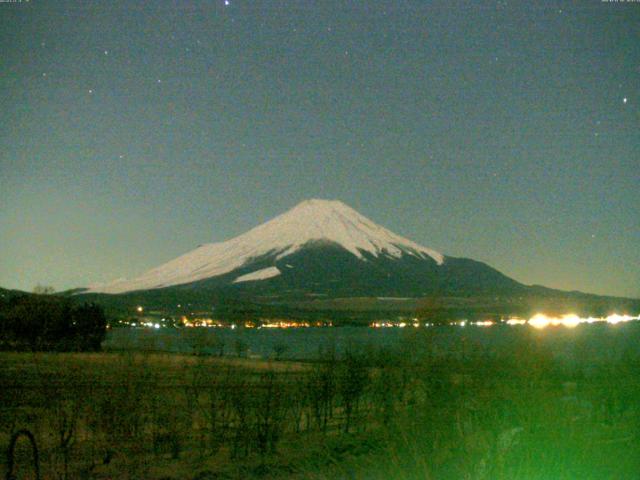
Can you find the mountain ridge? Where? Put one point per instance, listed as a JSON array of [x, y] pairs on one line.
[[323, 255]]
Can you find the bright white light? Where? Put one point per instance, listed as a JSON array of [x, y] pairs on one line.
[[139, 309], [156, 325], [570, 320], [485, 323], [539, 321], [615, 318], [516, 321]]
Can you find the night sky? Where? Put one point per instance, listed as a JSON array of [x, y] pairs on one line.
[[507, 131]]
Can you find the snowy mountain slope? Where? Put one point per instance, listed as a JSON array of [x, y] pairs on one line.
[[309, 222], [262, 274]]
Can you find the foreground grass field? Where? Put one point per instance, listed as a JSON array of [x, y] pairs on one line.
[[401, 414]]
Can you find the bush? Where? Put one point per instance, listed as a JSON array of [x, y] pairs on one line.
[[44, 322]]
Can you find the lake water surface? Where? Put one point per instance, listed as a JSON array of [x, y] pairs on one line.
[[592, 343]]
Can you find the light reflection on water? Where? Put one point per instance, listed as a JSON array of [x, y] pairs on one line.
[[595, 339]]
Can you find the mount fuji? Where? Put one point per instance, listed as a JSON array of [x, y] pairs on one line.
[[323, 255], [323, 247]]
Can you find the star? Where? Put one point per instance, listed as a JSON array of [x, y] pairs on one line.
[[90, 91], [625, 100], [106, 52], [227, 3]]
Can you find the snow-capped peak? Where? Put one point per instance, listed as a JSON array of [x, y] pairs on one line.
[[333, 221], [309, 221]]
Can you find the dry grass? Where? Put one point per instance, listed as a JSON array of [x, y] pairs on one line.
[[515, 416]]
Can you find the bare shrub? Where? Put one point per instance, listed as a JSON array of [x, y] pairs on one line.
[[353, 377]]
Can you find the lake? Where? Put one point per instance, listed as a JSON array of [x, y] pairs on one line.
[[588, 342]]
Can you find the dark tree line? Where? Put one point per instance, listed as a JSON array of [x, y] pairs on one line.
[[47, 322]]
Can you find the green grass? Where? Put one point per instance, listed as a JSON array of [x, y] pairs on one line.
[[517, 415]]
